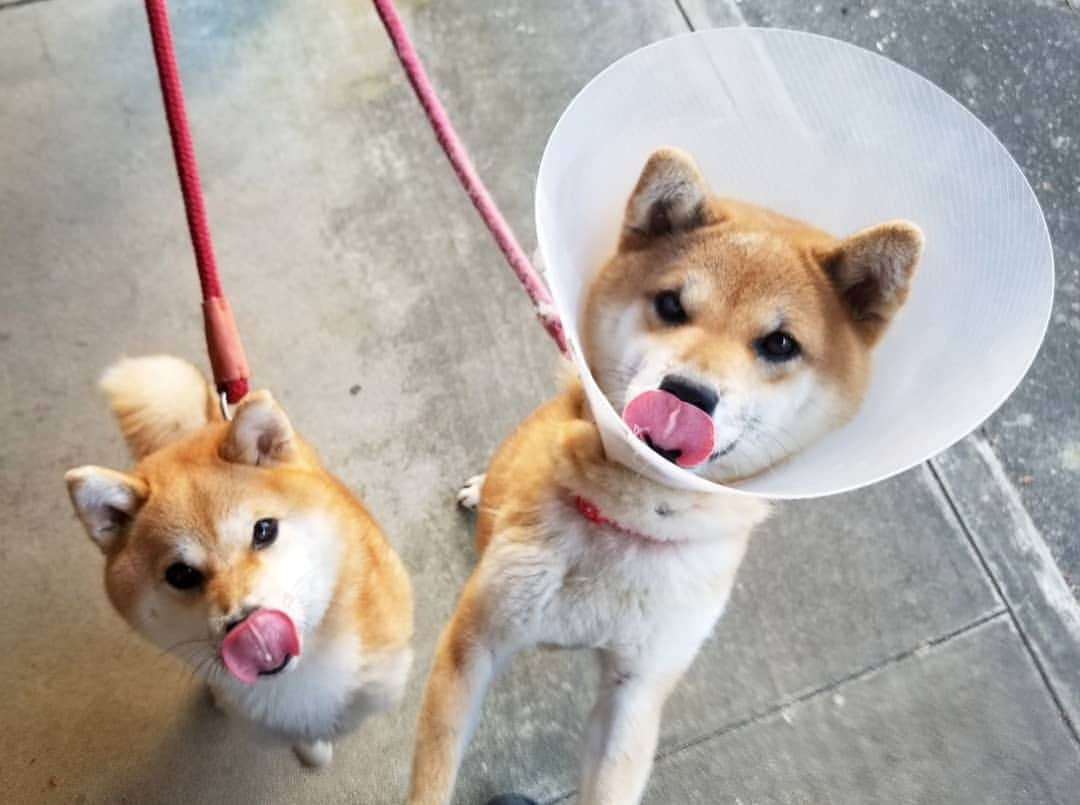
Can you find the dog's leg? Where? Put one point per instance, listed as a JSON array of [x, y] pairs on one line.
[[621, 739], [314, 754], [625, 721], [496, 616], [465, 663], [468, 497]]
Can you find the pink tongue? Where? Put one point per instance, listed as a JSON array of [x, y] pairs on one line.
[[261, 643], [671, 424]]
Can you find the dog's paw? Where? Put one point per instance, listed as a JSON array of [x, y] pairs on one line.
[[468, 497], [314, 754]]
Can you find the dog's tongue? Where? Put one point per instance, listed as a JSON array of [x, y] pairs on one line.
[[260, 643], [672, 425]]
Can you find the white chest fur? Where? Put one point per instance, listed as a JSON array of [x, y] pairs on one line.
[[589, 585]]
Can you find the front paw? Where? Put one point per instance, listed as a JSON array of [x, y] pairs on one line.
[[314, 754], [468, 497]]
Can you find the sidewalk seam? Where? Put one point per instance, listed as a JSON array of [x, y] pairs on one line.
[[16, 3], [1002, 595], [698, 16], [997, 614], [806, 695], [685, 16], [997, 585]]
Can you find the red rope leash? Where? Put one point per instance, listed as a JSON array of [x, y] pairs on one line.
[[467, 175], [222, 337]]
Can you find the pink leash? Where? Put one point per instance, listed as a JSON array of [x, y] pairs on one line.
[[467, 175], [223, 343], [222, 337]]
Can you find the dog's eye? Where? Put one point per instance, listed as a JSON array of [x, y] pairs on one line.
[[778, 346], [669, 307], [264, 533], [183, 577]]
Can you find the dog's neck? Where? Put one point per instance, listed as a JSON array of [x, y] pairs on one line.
[[621, 499]]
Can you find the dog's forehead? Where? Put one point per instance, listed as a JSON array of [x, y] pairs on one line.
[[748, 272], [727, 249], [209, 503]]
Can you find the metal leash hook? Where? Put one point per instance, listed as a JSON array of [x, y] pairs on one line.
[[223, 403]]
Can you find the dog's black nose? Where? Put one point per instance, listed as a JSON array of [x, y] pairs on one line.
[[690, 392], [511, 799], [237, 618], [232, 623]]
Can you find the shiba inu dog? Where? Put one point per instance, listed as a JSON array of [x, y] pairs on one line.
[[230, 545], [729, 337]]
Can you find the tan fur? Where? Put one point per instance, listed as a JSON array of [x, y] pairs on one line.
[[743, 271], [197, 474], [157, 400], [646, 595]]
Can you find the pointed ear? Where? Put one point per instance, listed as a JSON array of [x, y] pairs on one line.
[[872, 271], [106, 502], [670, 196], [260, 433]]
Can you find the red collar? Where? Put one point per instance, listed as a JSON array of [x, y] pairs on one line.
[[591, 512]]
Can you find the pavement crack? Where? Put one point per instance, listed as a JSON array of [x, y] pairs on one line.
[[1004, 598], [16, 3], [777, 709], [685, 16]]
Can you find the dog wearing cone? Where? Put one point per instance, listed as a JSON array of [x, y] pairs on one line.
[[730, 337], [230, 545]]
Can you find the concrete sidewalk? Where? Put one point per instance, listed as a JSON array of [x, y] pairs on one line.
[[911, 642]]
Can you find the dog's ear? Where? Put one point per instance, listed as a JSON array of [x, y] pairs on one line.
[[106, 502], [872, 271], [260, 433], [670, 196]]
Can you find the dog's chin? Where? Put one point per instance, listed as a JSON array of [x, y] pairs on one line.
[[726, 465], [733, 469], [722, 473], [716, 468], [217, 667], [717, 471]]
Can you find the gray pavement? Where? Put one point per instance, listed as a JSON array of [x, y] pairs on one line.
[[911, 642], [1015, 65]]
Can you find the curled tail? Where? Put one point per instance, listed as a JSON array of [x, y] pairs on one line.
[[156, 400]]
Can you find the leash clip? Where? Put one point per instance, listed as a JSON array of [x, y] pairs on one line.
[[223, 404]]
